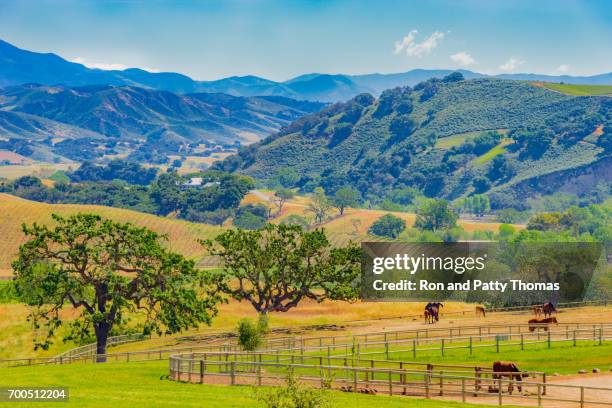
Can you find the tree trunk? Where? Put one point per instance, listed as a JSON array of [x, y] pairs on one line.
[[102, 330]]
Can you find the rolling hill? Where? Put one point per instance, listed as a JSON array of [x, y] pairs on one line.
[[138, 116], [182, 235], [395, 141]]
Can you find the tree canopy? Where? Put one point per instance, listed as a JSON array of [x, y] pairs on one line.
[[434, 215], [105, 270], [278, 266]]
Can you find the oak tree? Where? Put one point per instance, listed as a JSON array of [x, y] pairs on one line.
[[278, 266], [107, 270]]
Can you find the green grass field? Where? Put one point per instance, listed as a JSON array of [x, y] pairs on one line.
[[144, 384], [459, 139], [578, 90], [497, 150]]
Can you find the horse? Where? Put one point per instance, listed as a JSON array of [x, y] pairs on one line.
[[434, 309], [510, 370], [428, 316], [480, 310], [548, 309], [541, 323], [537, 311]]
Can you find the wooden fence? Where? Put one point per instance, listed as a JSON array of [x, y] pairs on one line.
[[384, 344], [404, 378]]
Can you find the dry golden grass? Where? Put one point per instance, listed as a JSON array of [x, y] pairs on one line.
[[38, 170], [182, 235]]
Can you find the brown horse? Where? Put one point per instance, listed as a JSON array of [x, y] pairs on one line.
[[434, 309], [541, 323], [428, 316], [510, 370], [480, 311], [537, 311], [548, 309]]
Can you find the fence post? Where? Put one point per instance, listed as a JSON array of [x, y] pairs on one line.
[[477, 381], [259, 371], [522, 342], [499, 392], [427, 385], [574, 338], [414, 349], [471, 345], [387, 349], [390, 384], [539, 395], [201, 371], [442, 347], [355, 374], [544, 383], [581, 397], [233, 373], [441, 384], [497, 343], [463, 389], [600, 336]]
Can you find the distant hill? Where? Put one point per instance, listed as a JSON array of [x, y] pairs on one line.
[[448, 138], [45, 115], [19, 66]]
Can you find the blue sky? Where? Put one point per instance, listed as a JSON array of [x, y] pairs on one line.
[[281, 39]]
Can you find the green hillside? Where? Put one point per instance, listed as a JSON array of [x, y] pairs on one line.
[[448, 138]]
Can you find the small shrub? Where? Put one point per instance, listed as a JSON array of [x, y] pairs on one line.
[[293, 395], [249, 335]]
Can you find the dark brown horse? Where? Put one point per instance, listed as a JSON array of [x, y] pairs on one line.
[[541, 323], [548, 309], [480, 310], [509, 370], [434, 310]]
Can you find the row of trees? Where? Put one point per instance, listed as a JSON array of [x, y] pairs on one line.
[[109, 271]]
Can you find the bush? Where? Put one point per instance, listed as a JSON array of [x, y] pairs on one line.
[[293, 395], [295, 219], [388, 226], [249, 335]]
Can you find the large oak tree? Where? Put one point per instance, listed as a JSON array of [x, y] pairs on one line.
[[278, 266], [107, 270]]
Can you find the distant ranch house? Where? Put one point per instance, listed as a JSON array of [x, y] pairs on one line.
[[198, 182]]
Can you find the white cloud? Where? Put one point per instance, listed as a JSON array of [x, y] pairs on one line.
[[105, 66], [405, 42], [512, 64], [416, 49], [463, 58], [563, 68]]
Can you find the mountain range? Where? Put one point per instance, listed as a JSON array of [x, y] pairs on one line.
[[19, 66]]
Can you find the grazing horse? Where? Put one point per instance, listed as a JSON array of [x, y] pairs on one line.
[[548, 309], [434, 309], [510, 370], [480, 311], [537, 311], [541, 323]]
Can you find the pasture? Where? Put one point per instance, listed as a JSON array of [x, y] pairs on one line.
[[145, 384], [577, 90]]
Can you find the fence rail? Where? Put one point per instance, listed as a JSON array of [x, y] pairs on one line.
[[401, 379], [90, 349], [388, 345]]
